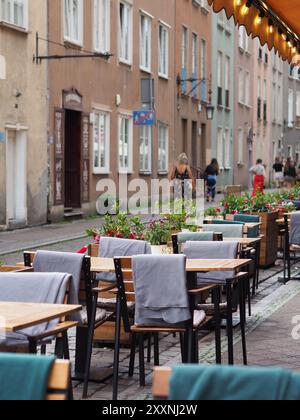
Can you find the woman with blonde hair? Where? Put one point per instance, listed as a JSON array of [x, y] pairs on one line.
[[182, 171]]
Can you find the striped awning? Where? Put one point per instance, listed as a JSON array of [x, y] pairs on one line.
[[275, 22]]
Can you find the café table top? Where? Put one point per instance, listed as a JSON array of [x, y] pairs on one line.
[[106, 265], [16, 316], [244, 241], [247, 225]]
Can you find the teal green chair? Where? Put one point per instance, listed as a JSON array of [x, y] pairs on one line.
[[247, 218]]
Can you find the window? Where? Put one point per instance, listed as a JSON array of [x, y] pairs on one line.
[[220, 79], [298, 110], [259, 101], [184, 47], [247, 88], [291, 108], [265, 102], [125, 33], [194, 64], [220, 148], [241, 86], [227, 148], [184, 59], [101, 142], [74, 21], [203, 69], [145, 43], [163, 148], [14, 12], [163, 51], [102, 25], [243, 39], [227, 82], [274, 102], [146, 149], [125, 143], [240, 146]]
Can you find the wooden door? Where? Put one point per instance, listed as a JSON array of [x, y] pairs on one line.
[[73, 159]]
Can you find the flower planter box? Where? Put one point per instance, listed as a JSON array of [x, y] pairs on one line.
[[269, 243]]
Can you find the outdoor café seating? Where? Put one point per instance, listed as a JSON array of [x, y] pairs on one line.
[[36, 288], [79, 267], [156, 309]]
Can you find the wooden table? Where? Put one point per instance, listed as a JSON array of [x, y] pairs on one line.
[[18, 316], [244, 241], [106, 265]]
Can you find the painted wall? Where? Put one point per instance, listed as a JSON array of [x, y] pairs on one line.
[[23, 104], [223, 34]]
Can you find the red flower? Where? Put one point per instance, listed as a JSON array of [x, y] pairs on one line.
[[132, 236]]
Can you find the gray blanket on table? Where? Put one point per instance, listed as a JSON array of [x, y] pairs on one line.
[[115, 247], [295, 229], [62, 262], [32, 288], [161, 290], [211, 251]]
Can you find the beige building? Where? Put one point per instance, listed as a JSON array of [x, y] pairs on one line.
[[243, 115], [193, 73], [23, 115], [92, 100]]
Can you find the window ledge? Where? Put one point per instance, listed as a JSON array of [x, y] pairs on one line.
[[227, 169], [162, 173], [73, 44], [99, 172], [125, 63], [227, 109], [145, 173], [144, 70], [205, 10], [163, 76], [14, 27]]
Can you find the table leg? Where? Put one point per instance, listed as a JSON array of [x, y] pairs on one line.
[[216, 300], [229, 322]]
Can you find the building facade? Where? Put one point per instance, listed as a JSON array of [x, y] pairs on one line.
[[223, 55], [92, 100], [23, 116], [193, 73], [262, 110], [290, 144], [243, 115]]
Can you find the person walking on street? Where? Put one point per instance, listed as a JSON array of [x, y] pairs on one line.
[[259, 173], [278, 169], [182, 173], [290, 173], [211, 174]]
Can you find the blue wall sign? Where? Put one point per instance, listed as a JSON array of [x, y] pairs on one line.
[[2, 137], [145, 117]]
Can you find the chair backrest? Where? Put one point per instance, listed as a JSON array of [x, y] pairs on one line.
[[181, 238], [161, 383], [126, 290], [93, 250], [59, 381], [247, 218], [86, 283], [228, 230]]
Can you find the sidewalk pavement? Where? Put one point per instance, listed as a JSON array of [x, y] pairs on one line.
[[47, 235]]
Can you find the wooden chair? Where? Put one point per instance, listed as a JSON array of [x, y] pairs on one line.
[[233, 190], [125, 294], [59, 382], [288, 249], [161, 383], [85, 299], [13, 269]]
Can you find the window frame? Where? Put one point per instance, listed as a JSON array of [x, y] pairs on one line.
[[166, 128], [69, 38], [107, 114], [166, 30], [125, 60], [12, 22], [149, 45], [96, 21], [148, 133], [129, 118]]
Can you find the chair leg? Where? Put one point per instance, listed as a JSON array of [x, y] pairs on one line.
[[243, 321], [156, 349], [59, 348], [32, 347], [66, 346], [229, 323], [142, 360], [249, 296], [132, 356], [216, 301], [117, 350], [43, 350], [182, 346], [89, 349], [149, 355]]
